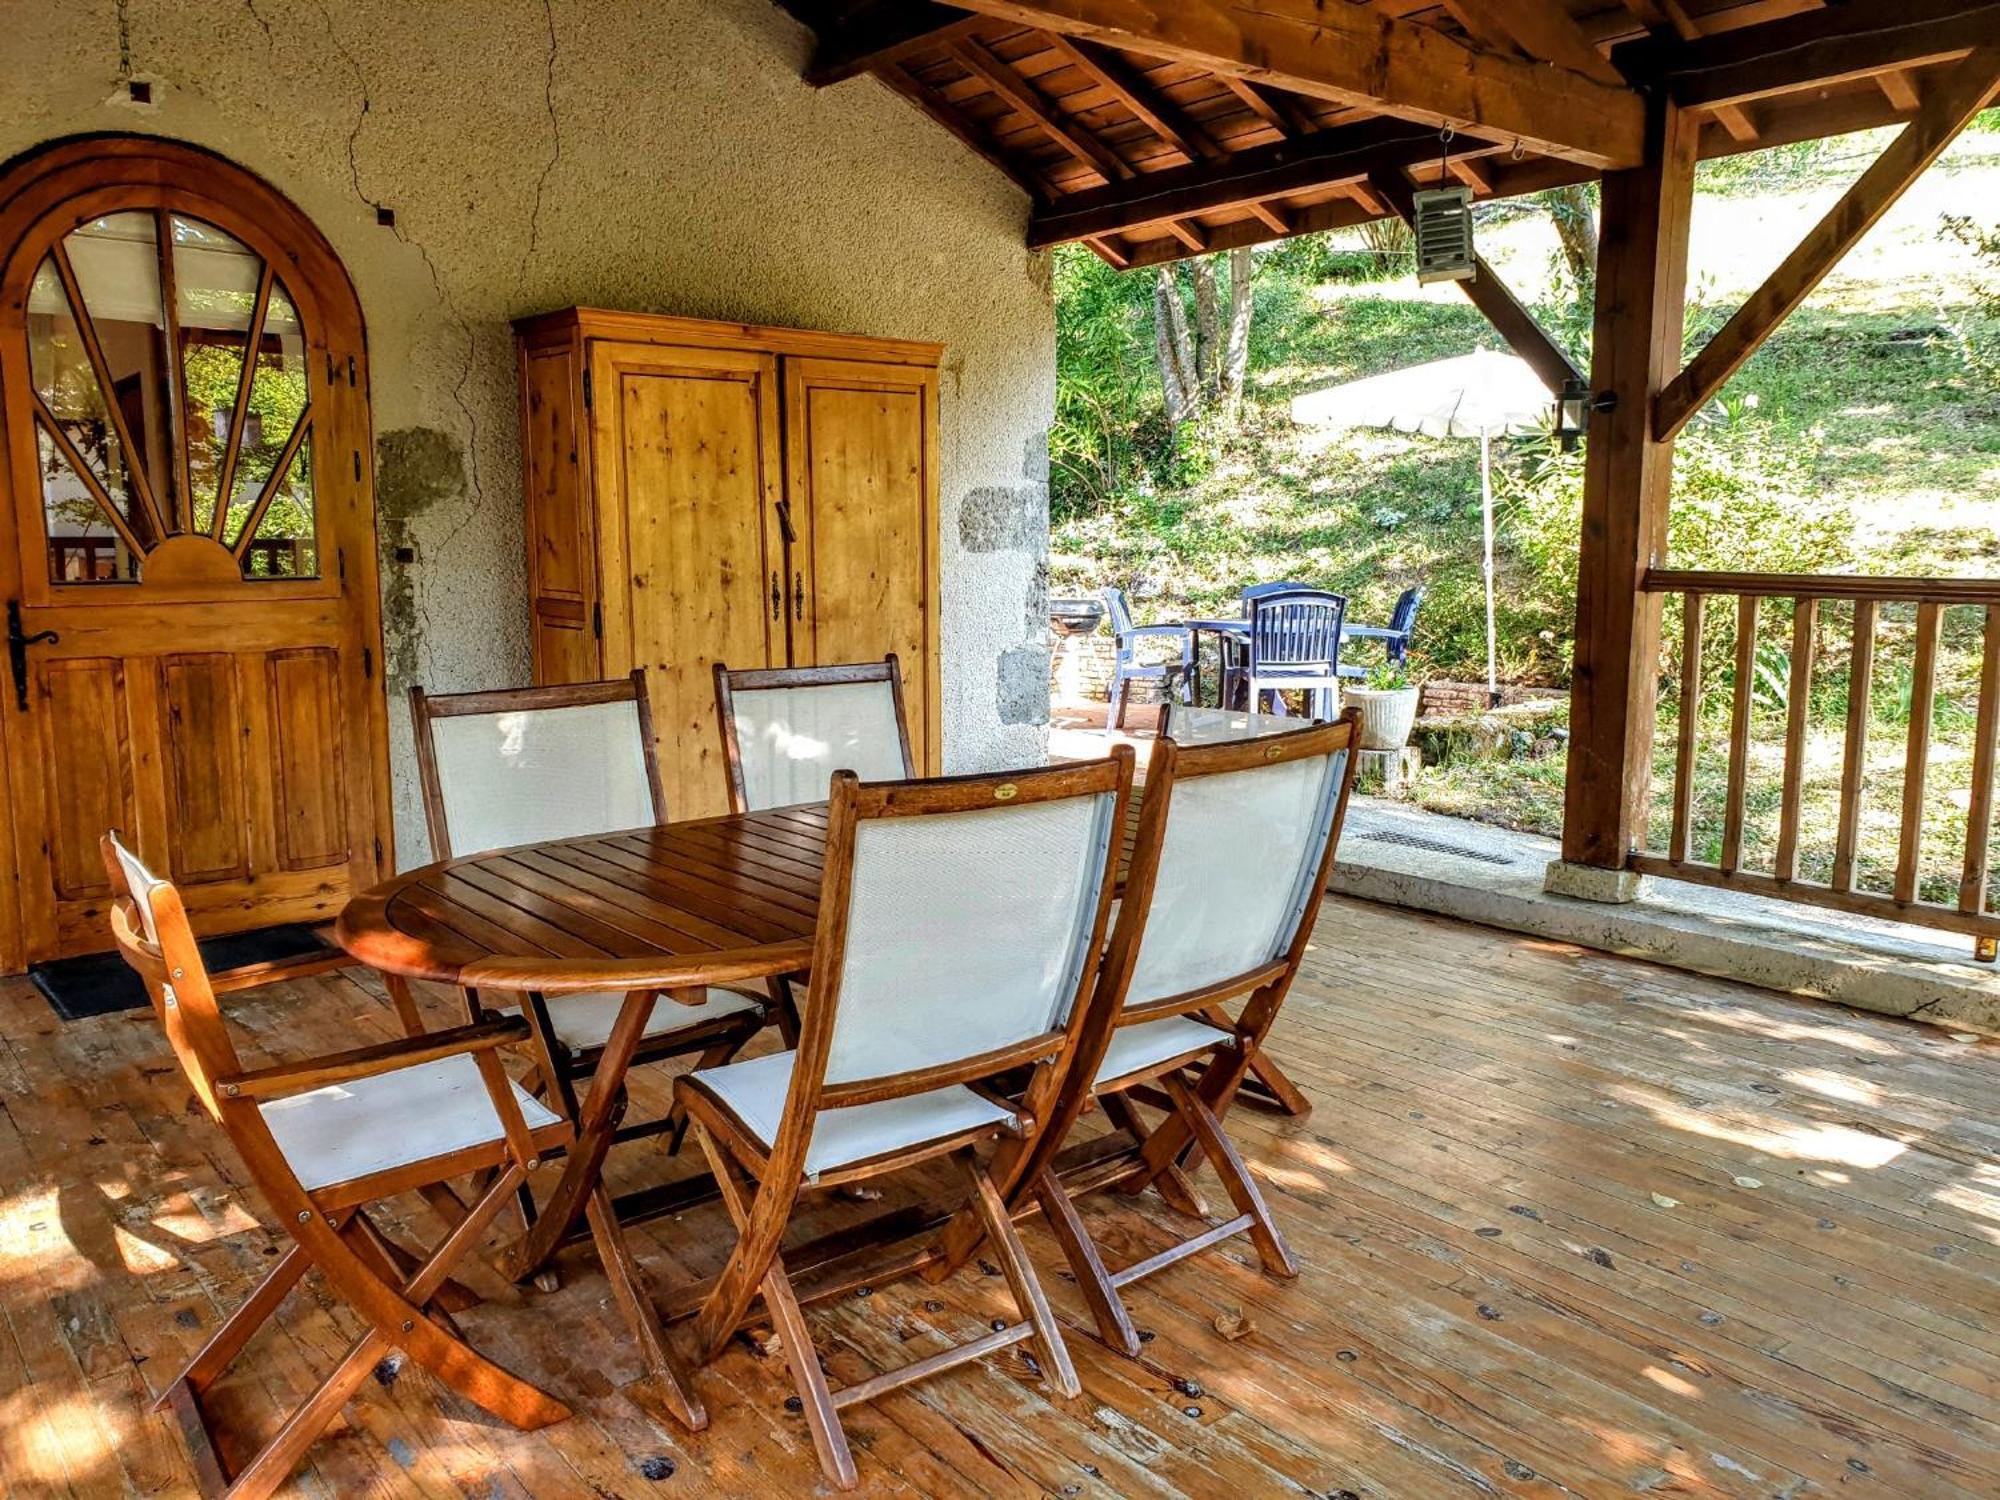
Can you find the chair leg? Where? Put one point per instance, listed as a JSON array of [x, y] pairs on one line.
[[712, 1056], [1236, 1179], [1120, 689], [836, 1459], [1277, 1086], [1028, 1295], [1171, 1182], [227, 1341], [1114, 1324]]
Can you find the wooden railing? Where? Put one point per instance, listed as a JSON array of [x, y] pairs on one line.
[[1930, 597]]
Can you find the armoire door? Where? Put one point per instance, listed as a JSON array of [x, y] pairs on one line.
[[861, 483], [187, 544], [685, 441]]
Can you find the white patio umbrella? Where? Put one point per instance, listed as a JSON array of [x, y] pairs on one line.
[[1473, 395]]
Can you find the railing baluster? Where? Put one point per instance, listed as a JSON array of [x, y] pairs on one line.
[[1691, 604], [1917, 757], [1854, 762], [1979, 816], [1739, 731], [1798, 703]]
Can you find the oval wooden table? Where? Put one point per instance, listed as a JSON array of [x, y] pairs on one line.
[[688, 904], [709, 901]]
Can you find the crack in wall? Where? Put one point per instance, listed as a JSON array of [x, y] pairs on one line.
[[555, 156], [270, 41], [474, 489]]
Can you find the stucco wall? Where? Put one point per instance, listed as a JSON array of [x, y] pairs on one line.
[[661, 156]]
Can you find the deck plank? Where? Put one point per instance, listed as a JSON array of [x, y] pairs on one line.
[[1493, 1300]]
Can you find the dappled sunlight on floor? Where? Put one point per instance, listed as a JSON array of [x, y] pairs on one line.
[[1566, 1224]]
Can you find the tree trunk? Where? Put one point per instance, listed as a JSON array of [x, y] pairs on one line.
[[1207, 327], [1170, 342], [1236, 358], [1576, 229]]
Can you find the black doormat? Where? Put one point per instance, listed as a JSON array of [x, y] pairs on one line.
[[99, 984]]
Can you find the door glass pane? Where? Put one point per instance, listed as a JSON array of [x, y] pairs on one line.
[[283, 546], [116, 260], [60, 367], [83, 545], [215, 295]]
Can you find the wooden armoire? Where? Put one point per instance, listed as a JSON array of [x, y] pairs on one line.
[[701, 492]]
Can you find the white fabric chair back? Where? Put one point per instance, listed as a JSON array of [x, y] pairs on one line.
[[520, 776], [1217, 726], [967, 932], [140, 883], [1241, 852], [790, 740]]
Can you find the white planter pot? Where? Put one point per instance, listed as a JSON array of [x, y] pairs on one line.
[[1387, 716]]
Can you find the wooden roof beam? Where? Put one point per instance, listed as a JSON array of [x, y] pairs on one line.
[[1356, 56], [871, 36], [1273, 108], [1860, 39], [1111, 72], [906, 83], [1329, 158], [1541, 30], [1952, 103], [1487, 292], [1021, 95]]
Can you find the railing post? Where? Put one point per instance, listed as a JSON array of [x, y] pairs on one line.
[[1636, 351]]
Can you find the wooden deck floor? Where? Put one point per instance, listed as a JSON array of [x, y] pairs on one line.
[[1571, 1225]]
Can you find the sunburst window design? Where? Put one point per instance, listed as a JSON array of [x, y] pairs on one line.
[[170, 400]]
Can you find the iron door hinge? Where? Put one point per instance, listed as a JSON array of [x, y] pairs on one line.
[[368, 662], [586, 387], [351, 377], [378, 854], [357, 466], [597, 620]]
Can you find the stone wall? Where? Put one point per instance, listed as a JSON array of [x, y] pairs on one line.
[[1440, 698], [475, 162]]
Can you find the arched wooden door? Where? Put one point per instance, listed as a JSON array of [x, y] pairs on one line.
[[187, 546]]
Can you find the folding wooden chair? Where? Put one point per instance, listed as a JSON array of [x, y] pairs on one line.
[[960, 925], [525, 765], [322, 1139], [787, 730], [1235, 844]]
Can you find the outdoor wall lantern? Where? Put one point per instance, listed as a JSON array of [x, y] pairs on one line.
[[1573, 409], [1443, 225]]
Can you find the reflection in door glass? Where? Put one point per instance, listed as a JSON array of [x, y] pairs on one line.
[[155, 421], [91, 512]]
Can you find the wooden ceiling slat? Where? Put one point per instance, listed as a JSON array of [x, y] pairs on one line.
[[1353, 55], [1016, 90]]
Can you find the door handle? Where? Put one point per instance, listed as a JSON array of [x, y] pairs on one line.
[[798, 596], [17, 651]]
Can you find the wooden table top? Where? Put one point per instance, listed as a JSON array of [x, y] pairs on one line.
[[711, 885]]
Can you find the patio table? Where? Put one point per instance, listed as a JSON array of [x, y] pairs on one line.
[[727, 887]]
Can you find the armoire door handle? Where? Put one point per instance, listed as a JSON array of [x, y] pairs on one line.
[[777, 598], [18, 642], [798, 596]]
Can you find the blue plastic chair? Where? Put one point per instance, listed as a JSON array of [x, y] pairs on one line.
[[1294, 642], [1395, 636], [1126, 667]]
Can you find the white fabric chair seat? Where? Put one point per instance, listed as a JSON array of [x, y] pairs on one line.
[[349, 1130], [1148, 1043], [585, 1021], [754, 1091]]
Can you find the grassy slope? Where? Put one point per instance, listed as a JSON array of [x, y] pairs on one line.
[[1852, 441]]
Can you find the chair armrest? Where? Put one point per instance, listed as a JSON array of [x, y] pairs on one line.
[[366, 1062], [678, 974], [1372, 632], [1155, 630]]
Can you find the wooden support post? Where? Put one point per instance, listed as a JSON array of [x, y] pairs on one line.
[[1641, 287]]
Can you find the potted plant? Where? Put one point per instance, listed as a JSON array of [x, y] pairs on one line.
[[1388, 705]]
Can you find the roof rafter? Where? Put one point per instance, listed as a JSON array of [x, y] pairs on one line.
[[1348, 153], [1356, 56], [870, 36], [1860, 39]]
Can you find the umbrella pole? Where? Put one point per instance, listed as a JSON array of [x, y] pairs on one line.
[[1486, 525]]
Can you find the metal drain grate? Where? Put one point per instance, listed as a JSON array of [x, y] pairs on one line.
[[1434, 846]]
